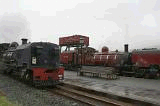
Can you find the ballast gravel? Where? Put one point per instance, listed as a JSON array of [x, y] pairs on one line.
[[22, 94]]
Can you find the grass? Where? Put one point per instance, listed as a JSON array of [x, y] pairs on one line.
[[5, 102]]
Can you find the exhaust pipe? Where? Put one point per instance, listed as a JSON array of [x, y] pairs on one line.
[[126, 48], [24, 41]]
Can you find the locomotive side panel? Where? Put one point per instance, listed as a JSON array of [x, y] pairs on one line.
[[23, 57], [43, 69], [145, 59]]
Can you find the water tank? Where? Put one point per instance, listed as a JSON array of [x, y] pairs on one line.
[[105, 49]]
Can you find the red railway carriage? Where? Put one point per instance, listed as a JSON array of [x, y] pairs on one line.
[[90, 57], [142, 63], [146, 57], [68, 58], [107, 59]]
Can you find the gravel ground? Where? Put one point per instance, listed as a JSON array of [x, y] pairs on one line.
[[24, 95]]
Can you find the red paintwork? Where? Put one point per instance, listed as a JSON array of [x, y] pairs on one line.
[[73, 40], [106, 58], [142, 58], [44, 73], [40, 72], [146, 58], [96, 59], [66, 57], [105, 49], [61, 71]]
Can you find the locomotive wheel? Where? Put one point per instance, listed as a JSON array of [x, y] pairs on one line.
[[22, 73], [9, 71], [146, 76], [157, 76], [135, 75], [28, 76], [4, 72]]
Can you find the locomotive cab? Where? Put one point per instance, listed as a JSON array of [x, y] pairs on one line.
[[45, 63], [44, 56], [126, 65]]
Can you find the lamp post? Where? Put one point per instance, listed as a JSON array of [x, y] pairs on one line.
[[81, 42]]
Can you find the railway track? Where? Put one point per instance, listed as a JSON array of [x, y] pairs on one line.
[[86, 96]]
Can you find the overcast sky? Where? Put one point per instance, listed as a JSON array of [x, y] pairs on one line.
[[109, 23]]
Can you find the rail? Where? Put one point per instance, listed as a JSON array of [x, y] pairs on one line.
[[96, 98], [86, 97]]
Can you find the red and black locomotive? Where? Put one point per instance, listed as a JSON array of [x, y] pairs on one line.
[[36, 62], [141, 63]]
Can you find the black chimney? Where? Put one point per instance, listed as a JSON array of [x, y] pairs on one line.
[[126, 48], [24, 41]]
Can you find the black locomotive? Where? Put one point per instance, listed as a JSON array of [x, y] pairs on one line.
[[36, 62]]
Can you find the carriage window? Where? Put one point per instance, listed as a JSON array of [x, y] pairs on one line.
[[36, 51], [94, 57], [107, 57], [54, 52], [115, 57], [100, 57], [39, 50]]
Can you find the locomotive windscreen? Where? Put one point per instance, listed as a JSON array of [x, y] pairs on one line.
[[45, 55]]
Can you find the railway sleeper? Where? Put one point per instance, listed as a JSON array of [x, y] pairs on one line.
[[93, 98], [134, 102]]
